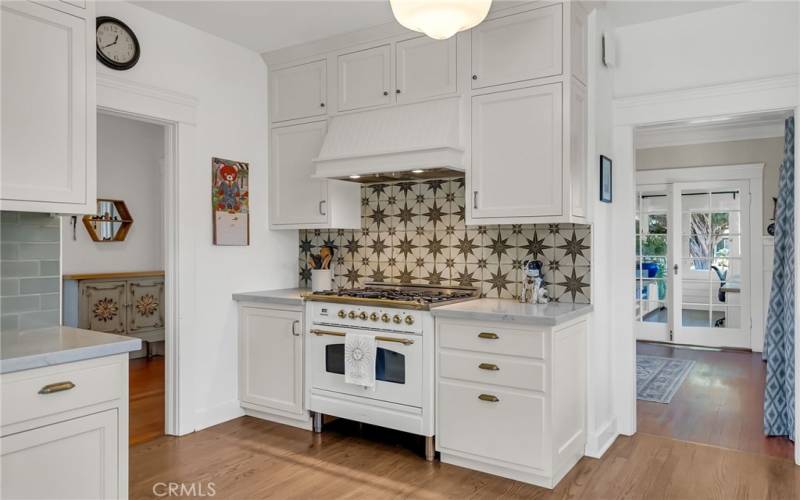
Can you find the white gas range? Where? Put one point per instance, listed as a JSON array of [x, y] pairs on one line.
[[399, 318]]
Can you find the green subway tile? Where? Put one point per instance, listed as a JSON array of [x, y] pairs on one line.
[[48, 251], [9, 286], [19, 268], [24, 303], [9, 251], [9, 217], [38, 285], [38, 319], [9, 322], [51, 301], [50, 268]]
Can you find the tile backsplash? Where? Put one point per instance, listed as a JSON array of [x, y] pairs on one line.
[[31, 273], [415, 233]]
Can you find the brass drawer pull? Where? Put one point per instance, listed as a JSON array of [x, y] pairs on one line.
[[489, 366], [489, 398], [488, 335], [56, 387]]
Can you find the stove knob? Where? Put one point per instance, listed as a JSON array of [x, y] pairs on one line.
[[341, 313], [352, 315], [397, 319], [385, 318], [373, 316], [409, 320], [363, 316]]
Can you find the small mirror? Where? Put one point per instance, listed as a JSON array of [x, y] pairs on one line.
[[111, 223]]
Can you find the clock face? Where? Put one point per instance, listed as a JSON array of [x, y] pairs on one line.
[[117, 46]]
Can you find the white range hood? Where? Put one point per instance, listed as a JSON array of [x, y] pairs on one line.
[[394, 141]]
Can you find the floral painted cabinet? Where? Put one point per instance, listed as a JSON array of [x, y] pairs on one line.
[[121, 303]]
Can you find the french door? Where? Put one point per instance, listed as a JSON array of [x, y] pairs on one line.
[[693, 267]]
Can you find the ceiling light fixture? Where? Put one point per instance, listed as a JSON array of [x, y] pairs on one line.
[[355, 176], [417, 171], [440, 19]]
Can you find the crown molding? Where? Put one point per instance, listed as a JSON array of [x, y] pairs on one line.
[[117, 93], [664, 137]]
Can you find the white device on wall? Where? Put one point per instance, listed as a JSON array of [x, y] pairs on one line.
[[609, 53]]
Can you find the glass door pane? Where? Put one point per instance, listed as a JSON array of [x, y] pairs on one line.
[[711, 262], [652, 267]]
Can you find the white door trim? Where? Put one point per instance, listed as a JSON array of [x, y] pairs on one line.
[[771, 94], [754, 174], [177, 113]]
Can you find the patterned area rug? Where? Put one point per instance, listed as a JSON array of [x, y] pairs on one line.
[[658, 379]]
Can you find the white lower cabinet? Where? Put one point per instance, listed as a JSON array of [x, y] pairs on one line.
[[65, 431], [271, 363], [510, 400]]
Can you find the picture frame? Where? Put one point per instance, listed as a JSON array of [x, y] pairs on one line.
[[606, 179], [230, 202]]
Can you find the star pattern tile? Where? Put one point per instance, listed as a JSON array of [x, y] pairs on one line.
[[415, 232]]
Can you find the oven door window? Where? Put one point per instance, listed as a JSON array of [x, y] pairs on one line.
[[390, 366]]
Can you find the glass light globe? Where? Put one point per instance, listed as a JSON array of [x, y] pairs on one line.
[[440, 19]]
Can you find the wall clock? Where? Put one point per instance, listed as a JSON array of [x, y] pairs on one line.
[[117, 45]]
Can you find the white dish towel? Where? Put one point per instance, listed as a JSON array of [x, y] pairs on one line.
[[360, 352]]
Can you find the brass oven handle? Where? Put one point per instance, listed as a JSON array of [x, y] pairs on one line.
[[488, 335], [56, 387], [489, 398], [489, 366], [379, 338]]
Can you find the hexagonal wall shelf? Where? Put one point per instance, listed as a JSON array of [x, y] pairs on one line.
[[112, 222]]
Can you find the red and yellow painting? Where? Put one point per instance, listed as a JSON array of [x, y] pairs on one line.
[[230, 201]]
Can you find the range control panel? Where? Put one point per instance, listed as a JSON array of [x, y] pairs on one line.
[[373, 318]]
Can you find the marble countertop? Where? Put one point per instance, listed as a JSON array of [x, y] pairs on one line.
[[506, 310], [27, 349], [285, 296]]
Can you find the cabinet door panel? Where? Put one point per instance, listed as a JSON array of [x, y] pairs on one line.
[[146, 299], [295, 196], [271, 358], [578, 145], [365, 78], [103, 307], [298, 91], [517, 153], [517, 47], [72, 459], [425, 68], [44, 104]]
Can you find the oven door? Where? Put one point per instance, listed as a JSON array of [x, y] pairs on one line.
[[398, 366]]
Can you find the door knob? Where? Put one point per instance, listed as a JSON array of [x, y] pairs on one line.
[[385, 92]]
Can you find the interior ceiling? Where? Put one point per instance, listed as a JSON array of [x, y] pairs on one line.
[[265, 25]]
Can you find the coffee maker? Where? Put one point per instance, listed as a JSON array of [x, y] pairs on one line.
[[533, 290]]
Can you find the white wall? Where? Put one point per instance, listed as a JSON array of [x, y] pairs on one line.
[[735, 43], [602, 427], [129, 168], [768, 151], [229, 83]]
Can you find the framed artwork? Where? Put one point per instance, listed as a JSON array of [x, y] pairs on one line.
[[230, 197], [605, 179]]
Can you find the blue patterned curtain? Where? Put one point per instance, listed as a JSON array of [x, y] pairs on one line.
[[779, 337]]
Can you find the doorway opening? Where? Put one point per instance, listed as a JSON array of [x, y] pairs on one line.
[[114, 261], [703, 203]]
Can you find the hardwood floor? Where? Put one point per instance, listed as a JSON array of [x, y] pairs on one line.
[[248, 458], [720, 403], [146, 386]]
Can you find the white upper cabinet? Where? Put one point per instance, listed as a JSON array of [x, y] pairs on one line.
[[517, 47], [578, 144], [298, 200], [579, 42], [298, 91], [48, 109], [365, 78], [516, 167], [425, 68]]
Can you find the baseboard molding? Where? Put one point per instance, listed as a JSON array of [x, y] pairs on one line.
[[221, 413], [599, 442]]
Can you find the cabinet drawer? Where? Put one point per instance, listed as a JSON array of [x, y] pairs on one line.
[[487, 369], [510, 429], [93, 384], [488, 338]]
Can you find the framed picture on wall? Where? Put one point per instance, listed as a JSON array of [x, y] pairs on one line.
[[605, 179], [230, 201]]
